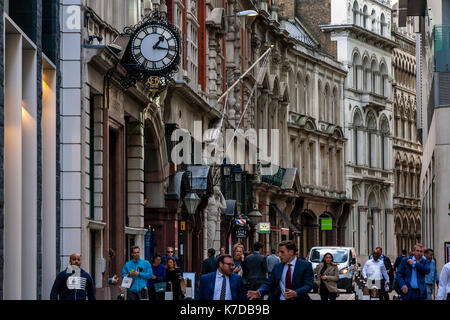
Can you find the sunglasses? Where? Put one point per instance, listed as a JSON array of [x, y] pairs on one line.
[[76, 259], [169, 251]]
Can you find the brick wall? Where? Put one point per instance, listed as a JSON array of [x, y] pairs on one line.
[[2, 82], [287, 8], [314, 13]]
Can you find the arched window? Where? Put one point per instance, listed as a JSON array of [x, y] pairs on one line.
[[326, 103], [356, 13], [356, 66], [321, 92], [371, 135], [374, 71], [357, 137], [383, 25], [335, 107], [385, 132], [372, 18], [298, 92], [306, 95], [365, 16], [366, 74], [383, 80]]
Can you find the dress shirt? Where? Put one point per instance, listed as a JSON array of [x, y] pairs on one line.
[[414, 283], [375, 270], [218, 286], [283, 277], [444, 282]]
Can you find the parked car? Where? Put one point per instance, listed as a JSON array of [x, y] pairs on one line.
[[344, 257]]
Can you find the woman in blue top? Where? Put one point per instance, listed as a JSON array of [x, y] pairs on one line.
[[159, 273]]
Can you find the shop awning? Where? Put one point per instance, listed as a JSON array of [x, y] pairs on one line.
[[177, 183], [289, 223], [231, 206], [290, 178], [199, 179]]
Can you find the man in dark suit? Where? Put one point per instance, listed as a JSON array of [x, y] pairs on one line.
[[222, 284], [411, 275], [291, 279], [399, 259], [210, 264], [255, 267], [389, 269]]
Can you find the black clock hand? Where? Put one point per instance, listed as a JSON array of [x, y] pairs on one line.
[[158, 47], [157, 43]]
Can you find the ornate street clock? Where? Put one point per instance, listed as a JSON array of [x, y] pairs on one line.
[[155, 47], [153, 53]]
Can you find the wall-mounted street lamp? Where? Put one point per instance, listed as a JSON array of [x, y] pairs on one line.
[[191, 200], [237, 172], [255, 216], [247, 13]]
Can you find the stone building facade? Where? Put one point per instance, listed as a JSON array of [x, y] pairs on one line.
[[407, 147], [29, 133], [300, 93], [361, 31]]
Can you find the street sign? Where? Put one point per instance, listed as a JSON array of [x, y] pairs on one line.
[[263, 227], [326, 224], [182, 225], [240, 232]]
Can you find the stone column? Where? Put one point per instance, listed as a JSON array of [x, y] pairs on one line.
[[135, 148], [378, 231], [390, 249], [363, 232]]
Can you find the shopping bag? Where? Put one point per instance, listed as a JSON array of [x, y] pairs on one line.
[[127, 282], [160, 287]]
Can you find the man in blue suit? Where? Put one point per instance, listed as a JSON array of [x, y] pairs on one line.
[[291, 279], [222, 284], [411, 275]]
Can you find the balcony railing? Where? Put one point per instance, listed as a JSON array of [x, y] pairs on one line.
[[442, 48], [377, 101]]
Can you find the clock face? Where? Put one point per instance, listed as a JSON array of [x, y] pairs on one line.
[[155, 47]]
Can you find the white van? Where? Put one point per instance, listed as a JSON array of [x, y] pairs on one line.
[[344, 257]]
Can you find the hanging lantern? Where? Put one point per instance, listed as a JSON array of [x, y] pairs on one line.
[[191, 200]]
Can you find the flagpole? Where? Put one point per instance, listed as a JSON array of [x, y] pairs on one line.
[[242, 76]]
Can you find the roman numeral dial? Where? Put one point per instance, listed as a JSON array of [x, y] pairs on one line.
[[156, 48]]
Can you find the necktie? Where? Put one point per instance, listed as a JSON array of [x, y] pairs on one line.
[[288, 280], [224, 287]]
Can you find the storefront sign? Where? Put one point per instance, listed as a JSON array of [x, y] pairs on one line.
[[326, 224], [263, 227], [240, 232]]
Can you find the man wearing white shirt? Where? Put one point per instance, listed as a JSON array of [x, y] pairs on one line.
[[444, 283], [374, 269]]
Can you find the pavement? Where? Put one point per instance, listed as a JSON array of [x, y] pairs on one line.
[[343, 296]]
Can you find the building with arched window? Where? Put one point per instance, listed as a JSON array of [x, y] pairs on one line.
[[361, 32], [407, 155]]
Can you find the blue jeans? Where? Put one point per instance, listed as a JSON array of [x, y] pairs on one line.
[[413, 294], [430, 288]]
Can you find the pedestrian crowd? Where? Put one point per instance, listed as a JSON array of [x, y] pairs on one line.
[[251, 275]]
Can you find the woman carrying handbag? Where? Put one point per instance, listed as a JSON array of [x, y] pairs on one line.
[[328, 276]]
